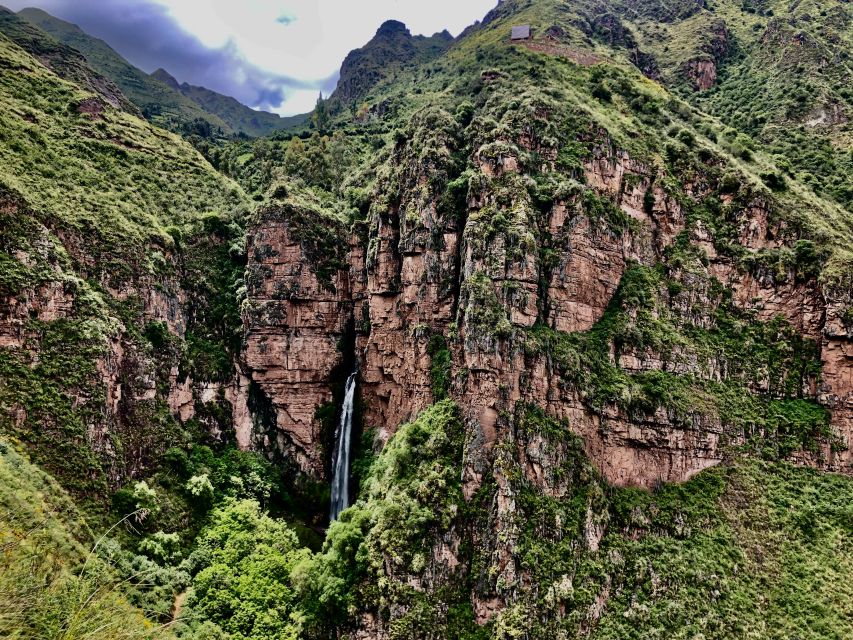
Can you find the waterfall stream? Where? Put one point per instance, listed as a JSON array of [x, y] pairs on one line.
[[340, 480]]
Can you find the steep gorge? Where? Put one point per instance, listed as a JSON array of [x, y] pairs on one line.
[[421, 271], [602, 337]]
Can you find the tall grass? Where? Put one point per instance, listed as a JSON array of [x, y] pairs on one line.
[[51, 586]]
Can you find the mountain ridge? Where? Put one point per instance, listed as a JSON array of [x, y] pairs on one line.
[[63, 60], [244, 119], [175, 106], [596, 287], [391, 47]]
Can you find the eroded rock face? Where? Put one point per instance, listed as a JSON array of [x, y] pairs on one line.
[[420, 273], [120, 386], [836, 390], [503, 268], [294, 326], [703, 73]]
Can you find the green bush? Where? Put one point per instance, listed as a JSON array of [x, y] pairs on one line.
[[441, 368], [775, 181], [730, 182], [412, 492], [241, 574]]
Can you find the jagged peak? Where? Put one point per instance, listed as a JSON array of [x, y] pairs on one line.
[[392, 27], [166, 78], [392, 45]]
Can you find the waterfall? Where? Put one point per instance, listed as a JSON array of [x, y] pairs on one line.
[[340, 480]]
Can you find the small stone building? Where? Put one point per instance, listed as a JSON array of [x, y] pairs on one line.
[[521, 32]]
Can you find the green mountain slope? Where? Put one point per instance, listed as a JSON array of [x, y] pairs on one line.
[[238, 116], [392, 49], [610, 298], [779, 72], [112, 230], [53, 583], [158, 96], [64, 61], [68, 153], [96, 203], [158, 102]]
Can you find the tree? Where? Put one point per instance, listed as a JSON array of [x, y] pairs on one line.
[[320, 117], [243, 564]]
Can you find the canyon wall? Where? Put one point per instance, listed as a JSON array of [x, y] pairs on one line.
[[100, 364], [486, 278]]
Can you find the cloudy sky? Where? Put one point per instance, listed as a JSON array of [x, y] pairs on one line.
[[270, 54]]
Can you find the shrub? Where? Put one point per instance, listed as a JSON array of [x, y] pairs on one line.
[[162, 547], [200, 488], [464, 113], [441, 366], [601, 92], [242, 567], [686, 137], [775, 181], [730, 182]]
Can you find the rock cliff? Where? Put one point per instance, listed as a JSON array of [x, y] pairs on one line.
[[504, 280], [594, 311]]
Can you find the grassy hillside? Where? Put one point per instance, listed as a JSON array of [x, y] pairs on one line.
[[91, 167], [238, 116], [174, 106], [53, 583], [64, 61], [784, 77], [158, 102]]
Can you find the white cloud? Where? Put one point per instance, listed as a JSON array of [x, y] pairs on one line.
[[297, 101], [315, 36], [271, 54]]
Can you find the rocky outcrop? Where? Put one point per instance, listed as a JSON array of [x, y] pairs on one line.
[[392, 46], [836, 390], [107, 355], [701, 71], [294, 326], [418, 272]]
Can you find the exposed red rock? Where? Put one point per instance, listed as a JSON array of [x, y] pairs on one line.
[[396, 294]]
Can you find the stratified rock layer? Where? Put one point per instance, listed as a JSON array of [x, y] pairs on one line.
[[420, 272]]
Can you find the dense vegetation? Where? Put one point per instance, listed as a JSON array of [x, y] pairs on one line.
[[53, 584], [756, 546], [59, 142], [119, 519]]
